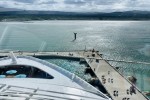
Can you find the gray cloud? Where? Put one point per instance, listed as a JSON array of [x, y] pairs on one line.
[[25, 1], [75, 2], [102, 2], [78, 5], [91, 2], [37, 1], [45, 1]]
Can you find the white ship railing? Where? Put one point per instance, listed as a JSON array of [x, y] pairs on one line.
[[64, 72], [18, 91]]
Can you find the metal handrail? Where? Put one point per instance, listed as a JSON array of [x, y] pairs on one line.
[[17, 93], [37, 98], [58, 92]]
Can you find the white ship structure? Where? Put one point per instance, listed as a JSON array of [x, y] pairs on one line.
[[29, 78]]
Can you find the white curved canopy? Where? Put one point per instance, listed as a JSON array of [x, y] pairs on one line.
[[61, 87]]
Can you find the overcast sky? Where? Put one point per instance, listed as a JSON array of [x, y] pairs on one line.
[[78, 5]]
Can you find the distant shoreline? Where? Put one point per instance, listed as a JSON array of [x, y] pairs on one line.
[[55, 15], [30, 21]]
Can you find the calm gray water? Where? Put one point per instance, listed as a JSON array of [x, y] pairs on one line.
[[120, 40]]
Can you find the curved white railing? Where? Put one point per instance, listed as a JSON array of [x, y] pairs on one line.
[[76, 79]]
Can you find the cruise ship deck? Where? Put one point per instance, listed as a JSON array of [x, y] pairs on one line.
[[118, 87]]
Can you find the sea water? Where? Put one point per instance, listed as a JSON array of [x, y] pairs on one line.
[[119, 40]]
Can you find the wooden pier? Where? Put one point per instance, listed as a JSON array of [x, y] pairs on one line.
[[118, 87]]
